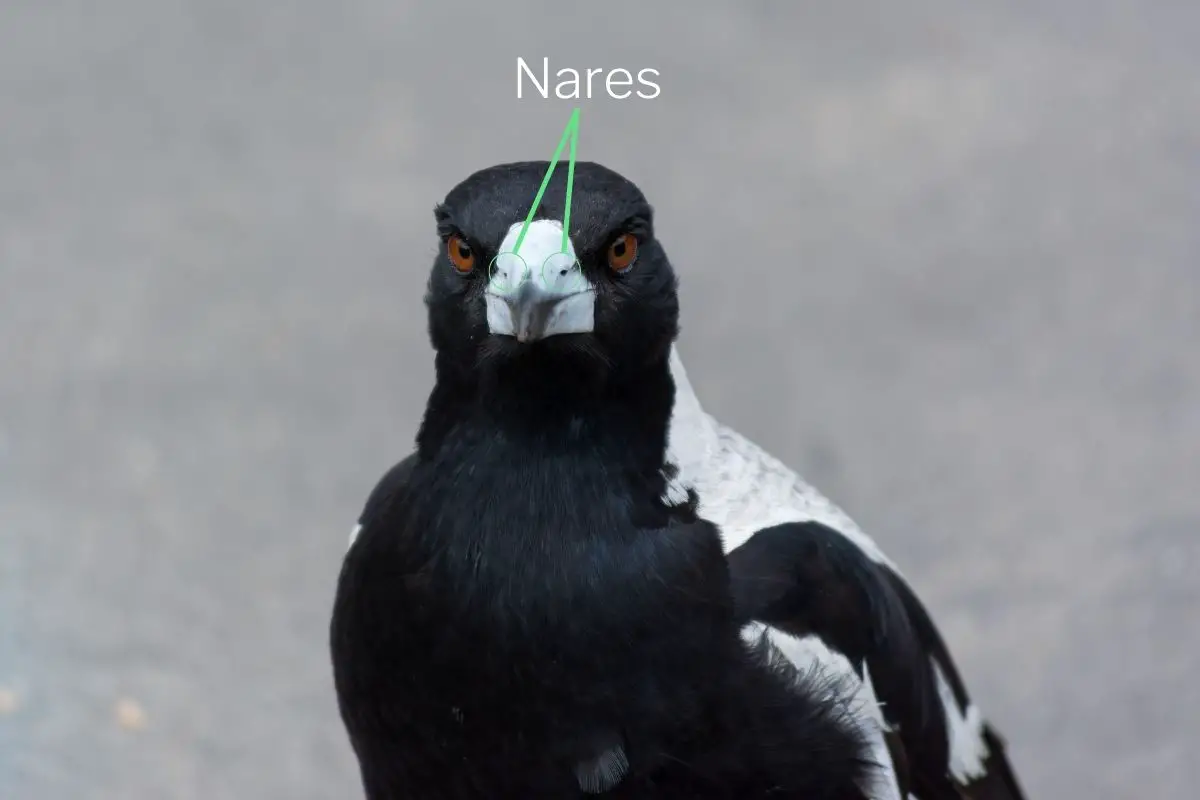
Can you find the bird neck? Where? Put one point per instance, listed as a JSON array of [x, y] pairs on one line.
[[554, 405], [521, 474], [692, 432]]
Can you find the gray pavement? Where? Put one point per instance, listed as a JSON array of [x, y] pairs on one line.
[[942, 257]]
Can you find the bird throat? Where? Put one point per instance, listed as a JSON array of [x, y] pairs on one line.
[[555, 396]]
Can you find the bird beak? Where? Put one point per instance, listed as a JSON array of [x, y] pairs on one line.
[[536, 311], [541, 291]]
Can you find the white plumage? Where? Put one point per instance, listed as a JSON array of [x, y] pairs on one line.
[[743, 489], [814, 659]]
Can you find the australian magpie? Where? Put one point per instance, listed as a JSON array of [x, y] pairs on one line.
[[525, 611], [825, 595]]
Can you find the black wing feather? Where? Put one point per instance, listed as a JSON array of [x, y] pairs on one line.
[[999, 781], [392, 481], [806, 578]]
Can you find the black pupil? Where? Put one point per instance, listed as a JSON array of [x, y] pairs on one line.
[[464, 252], [619, 248]]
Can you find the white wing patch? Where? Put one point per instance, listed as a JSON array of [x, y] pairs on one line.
[[875, 707], [968, 750], [812, 657]]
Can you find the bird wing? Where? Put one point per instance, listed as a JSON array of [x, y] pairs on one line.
[[817, 663], [979, 763], [806, 579], [392, 481], [802, 566]]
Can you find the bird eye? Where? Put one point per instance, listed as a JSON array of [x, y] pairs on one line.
[[622, 252], [461, 256]]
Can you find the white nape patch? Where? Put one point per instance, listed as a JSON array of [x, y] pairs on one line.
[[354, 535], [549, 269], [742, 488], [968, 750], [813, 658]]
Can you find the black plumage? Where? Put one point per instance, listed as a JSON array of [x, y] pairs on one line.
[[521, 600], [807, 579]]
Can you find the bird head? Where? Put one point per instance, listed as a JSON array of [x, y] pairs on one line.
[[501, 291]]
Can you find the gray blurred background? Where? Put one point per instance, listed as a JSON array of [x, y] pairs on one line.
[[944, 258]]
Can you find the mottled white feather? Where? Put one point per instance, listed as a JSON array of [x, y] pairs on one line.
[[742, 488]]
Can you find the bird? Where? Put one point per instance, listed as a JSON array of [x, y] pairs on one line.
[[828, 597], [526, 608]]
